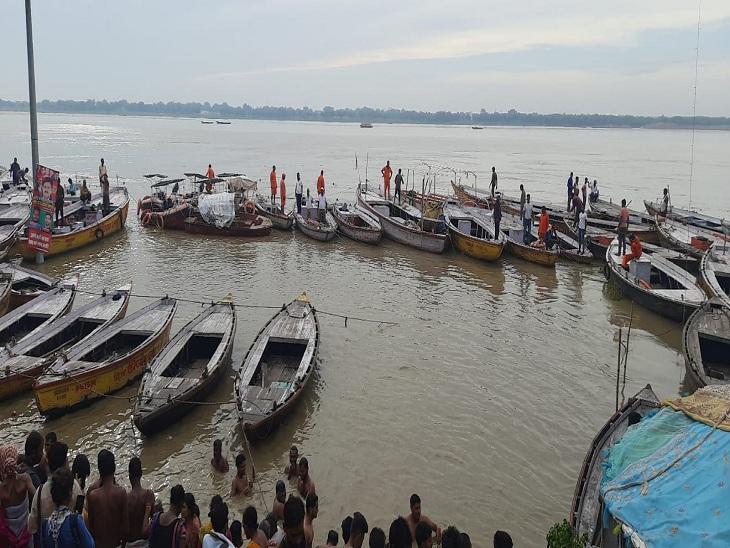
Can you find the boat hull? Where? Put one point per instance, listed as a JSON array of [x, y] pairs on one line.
[[322, 235], [169, 219], [474, 247], [538, 256], [367, 235], [60, 396], [194, 225], [63, 243], [425, 241], [278, 221]]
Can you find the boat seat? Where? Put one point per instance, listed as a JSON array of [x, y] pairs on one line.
[[271, 393]]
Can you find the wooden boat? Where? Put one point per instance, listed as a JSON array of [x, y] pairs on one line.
[[515, 234], [357, 224], [6, 291], [366, 125], [106, 360], [402, 224], [91, 232], [686, 238], [219, 122], [706, 344], [586, 508], [8, 237], [22, 363], [244, 225], [715, 272], [172, 218], [277, 368], [311, 226], [656, 283], [280, 219], [186, 369], [207, 122], [685, 216], [611, 211], [27, 284], [31, 318], [568, 250], [471, 231]]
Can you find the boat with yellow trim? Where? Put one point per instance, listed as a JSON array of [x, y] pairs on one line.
[[106, 360], [471, 231], [83, 226]]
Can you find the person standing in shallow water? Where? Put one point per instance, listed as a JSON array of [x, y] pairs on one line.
[[416, 517], [305, 485], [219, 462], [311, 507], [107, 506], [278, 506], [140, 502], [292, 469]]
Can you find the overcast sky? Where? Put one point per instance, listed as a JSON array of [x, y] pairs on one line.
[[618, 56]]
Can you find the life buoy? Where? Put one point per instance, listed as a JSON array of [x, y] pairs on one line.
[[99, 234], [249, 207]]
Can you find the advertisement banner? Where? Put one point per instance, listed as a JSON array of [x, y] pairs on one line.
[[45, 186]]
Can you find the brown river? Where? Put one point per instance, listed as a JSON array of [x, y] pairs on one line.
[[485, 395]]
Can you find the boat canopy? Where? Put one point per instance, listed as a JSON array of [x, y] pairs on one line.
[[155, 175], [241, 184], [666, 481], [166, 182], [218, 209]]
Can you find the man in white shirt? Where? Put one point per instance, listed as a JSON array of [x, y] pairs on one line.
[[42, 505], [219, 519], [322, 208], [527, 218], [102, 170], [298, 191], [104, 181], [582, 221]]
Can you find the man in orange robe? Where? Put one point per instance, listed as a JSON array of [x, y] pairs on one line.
[[636, 251], [320, 183], [272, 180], [542, 229], [282, 191], [387, 174]]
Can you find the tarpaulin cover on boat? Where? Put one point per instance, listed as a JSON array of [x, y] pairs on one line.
[[240, 184], [668, 478], [217, 209]]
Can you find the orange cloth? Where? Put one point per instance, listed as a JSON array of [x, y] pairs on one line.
[[272, 180], [387, 174], [211, 173], [544, 223], [320, 184], [636, 252], [282, 190]]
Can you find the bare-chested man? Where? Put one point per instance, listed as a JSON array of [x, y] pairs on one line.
[[311, 509], [107, 506], [292, 469], [219, 462], [416, 517], [251, 529], [241, 485], [305, 485], [278, 508], [140, 502]]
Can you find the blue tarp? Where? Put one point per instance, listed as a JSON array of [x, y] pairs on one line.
[[686, 506]]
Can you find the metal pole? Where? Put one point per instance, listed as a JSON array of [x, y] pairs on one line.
[[31, 87], [32, 100]]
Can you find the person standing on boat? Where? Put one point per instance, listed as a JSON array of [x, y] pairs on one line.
[[623, 227], [71, 187], [582, 221], [542, 229], [322, 208], [59, 204], [584, 191], [570, 189], [298, 191], [102, 170], [666, 201], [594, 191], [398, 183], [320, 182], [282, 191], [576, 206], [527, 218], [522, 200], [497, 215], [15, 171], [493, 184], [105, 194], [272, 182], [387, 172], [636, 251]]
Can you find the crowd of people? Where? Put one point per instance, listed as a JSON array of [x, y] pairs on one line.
[[46, 503]]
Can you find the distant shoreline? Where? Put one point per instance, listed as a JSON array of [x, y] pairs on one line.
[[512, 118]]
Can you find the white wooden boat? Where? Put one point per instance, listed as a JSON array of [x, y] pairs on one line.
[[308, 222], [686, 238], [706, 344], [357, 224], [715, 272], [401, 224]]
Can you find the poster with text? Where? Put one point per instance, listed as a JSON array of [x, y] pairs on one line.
[[45, 186]]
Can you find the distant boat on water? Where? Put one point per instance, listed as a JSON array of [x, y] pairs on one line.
[[222, 123], [477, 127], [206, 121], [366, 125]]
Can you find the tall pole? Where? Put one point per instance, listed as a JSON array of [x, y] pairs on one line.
[[31, 87], [32, 100]]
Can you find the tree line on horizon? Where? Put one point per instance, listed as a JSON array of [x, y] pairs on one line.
[[366, 114]]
